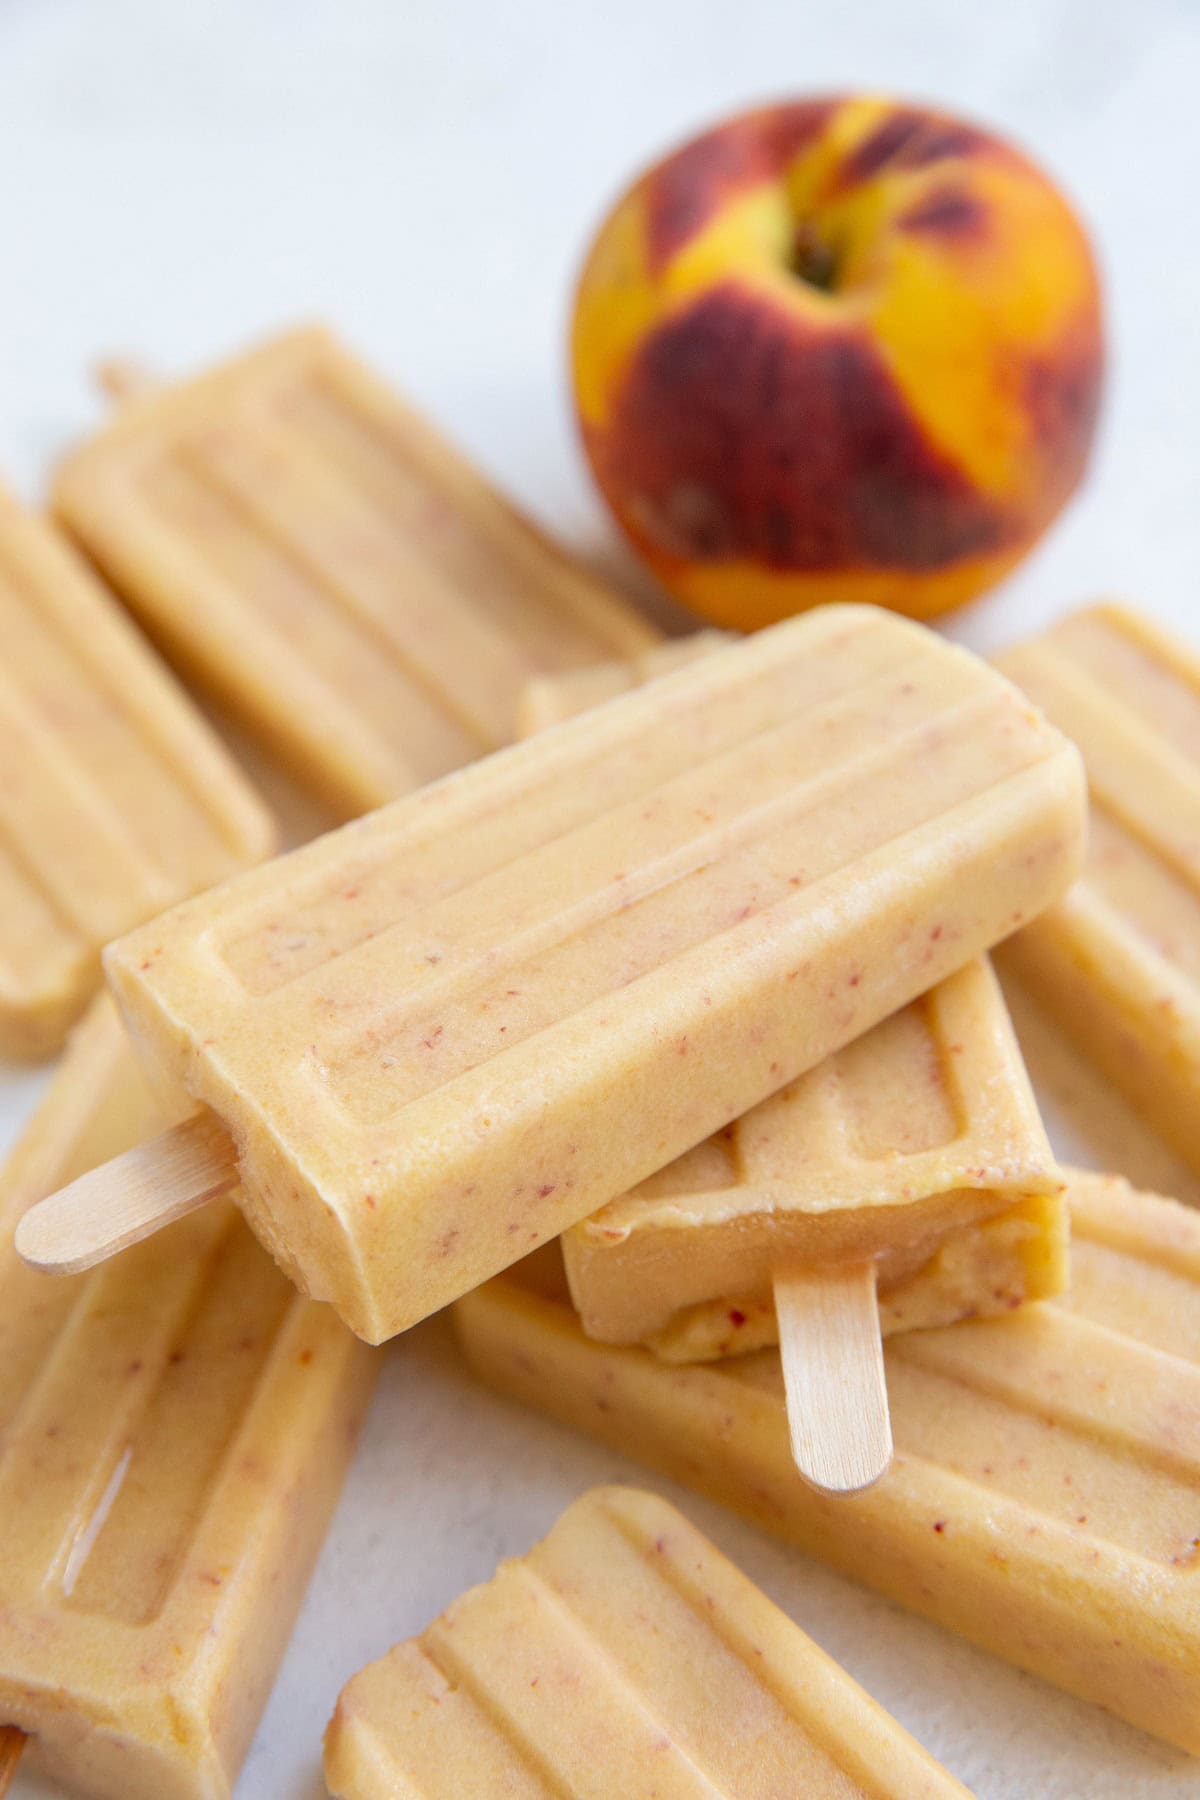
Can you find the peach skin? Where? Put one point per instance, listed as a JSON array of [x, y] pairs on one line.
[[837, 349]]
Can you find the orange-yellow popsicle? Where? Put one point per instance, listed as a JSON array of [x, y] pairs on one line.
[[307, 548], [116, 798], [918, 1147], [174, 1430], [1044, 1497], [1117, 963], [624, 1656], [463, 1023]]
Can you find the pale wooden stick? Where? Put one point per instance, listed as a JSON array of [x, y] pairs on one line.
[[12, 1742], [122, 378], [833, 1375], [129, 1198]]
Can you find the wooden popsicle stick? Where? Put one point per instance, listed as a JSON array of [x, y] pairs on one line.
[[12, 1742], [123, 378], [833, 1375], [129, 1198]]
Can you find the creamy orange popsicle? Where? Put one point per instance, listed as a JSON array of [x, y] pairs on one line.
[[1045, 1492], [879, 1170], [461, 1024], [1117, 964], [918, 1147], [623, 1656], [549, 699], [116, 799], [307, 548], [173, 1434]]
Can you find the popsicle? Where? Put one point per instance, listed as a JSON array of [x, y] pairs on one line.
[[623, 1656], [913, 1123], [917, 1149], [549, 699], [466, 1021], [173, 1433], [308, 549], [1044, 1498], [116, 798], [1117, 963]]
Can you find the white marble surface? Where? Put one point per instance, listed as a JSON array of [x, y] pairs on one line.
[[175, 179]]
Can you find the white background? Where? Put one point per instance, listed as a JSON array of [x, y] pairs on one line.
[[176, 178]]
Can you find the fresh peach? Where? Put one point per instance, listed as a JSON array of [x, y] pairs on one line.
[[839, 349]]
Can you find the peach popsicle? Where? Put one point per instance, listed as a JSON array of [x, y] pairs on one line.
[[1044, 1497], [885, 1163], [173, 1434], [918, 1148], [549, 699], [468, 1020], [624, 1655], [306, 547], [1117, 963], [116, 801]]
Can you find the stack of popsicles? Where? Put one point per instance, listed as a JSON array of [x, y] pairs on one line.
[[662, 1043]]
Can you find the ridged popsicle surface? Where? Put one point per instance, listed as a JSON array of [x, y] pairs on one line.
[[1117, 964], [117, 800], [622, 1656], [174, 1429], [306, 545], [1044, 1497], [918, 1146], [464, 1022]]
